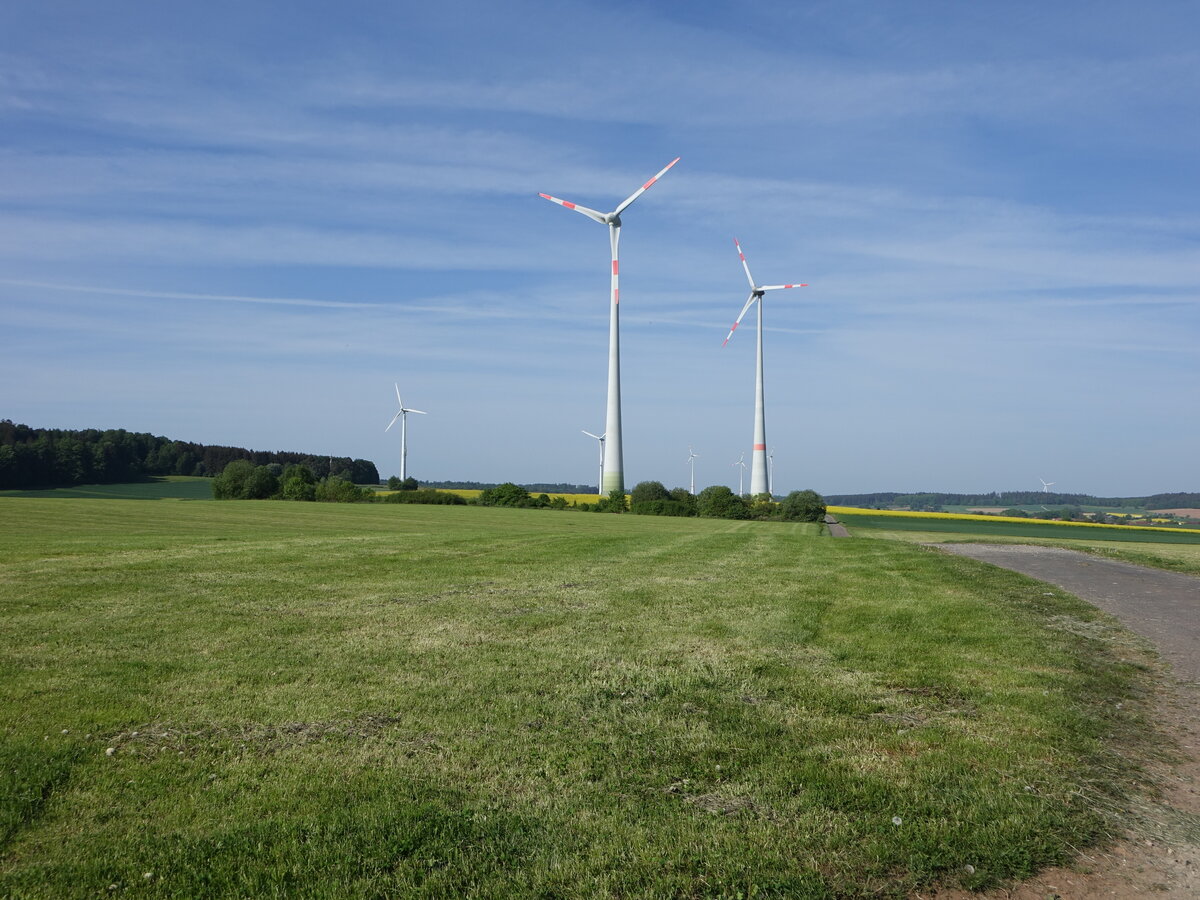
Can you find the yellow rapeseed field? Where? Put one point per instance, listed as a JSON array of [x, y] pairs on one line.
[[971, 517]]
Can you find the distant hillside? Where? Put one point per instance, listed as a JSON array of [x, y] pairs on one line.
[[52, 457], [928, 500]]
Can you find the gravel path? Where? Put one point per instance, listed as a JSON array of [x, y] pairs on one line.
[[835, 529], [1164, 607]]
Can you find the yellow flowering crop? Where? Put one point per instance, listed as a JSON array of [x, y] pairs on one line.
[[972, 517]]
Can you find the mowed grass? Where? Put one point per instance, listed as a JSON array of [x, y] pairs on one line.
[[322, 700]]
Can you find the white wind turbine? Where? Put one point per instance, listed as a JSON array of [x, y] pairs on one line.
[[771, 472], [692, 457], [600, 438], [741, 461], [402, 415], [613, 474], [1046, 485], [758, 470]]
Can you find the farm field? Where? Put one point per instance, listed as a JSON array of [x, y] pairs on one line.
[[1176, 549], [326, 700], [160, 487]]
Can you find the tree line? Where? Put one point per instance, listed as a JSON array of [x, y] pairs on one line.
[[52, 457], [651, 498]]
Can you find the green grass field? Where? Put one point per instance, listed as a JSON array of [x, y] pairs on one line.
[[325, 700], [158, 487]]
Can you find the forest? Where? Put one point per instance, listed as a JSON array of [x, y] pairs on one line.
[[51, 457]]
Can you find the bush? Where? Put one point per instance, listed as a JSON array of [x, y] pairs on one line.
[[647, 492], [436, 498], [661, 508], [686, 497], [298, 483], [338, 490], [614, 502], [719, 502], [507, 494], [242, 480], [231, 483], [803, 506]]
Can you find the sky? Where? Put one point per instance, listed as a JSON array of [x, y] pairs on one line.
[[242, 223]]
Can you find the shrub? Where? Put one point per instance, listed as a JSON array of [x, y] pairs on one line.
[[684, 496], [242, 480], [428, 496], [661, 508], [231, 483], [614, 502], [338, 490], [298, 483], [719, 502], [507, 494], [802, 506], [647, 492]]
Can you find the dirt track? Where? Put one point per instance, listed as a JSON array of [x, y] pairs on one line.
[[1164, 607]]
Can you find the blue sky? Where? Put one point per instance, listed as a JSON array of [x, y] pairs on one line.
[[240, 223]]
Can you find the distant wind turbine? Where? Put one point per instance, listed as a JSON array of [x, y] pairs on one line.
[[613, 474], [741, 461], [600, 438], [758, 470], [692, 457], [402, 415], [771, 472], [1046, 485]]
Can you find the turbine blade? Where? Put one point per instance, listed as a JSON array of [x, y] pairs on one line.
[[741, 315], [393, 422], [583, 210], [418, 411], [398, 400], [643, 188], [779, 287], [596, 436], [745, 265]]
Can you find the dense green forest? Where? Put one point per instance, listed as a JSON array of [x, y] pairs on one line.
[[1011, 499], [52, 457]]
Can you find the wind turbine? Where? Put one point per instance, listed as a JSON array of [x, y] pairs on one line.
[[1046, 485], [771, 472], [758, 469], [741, 461], [402, 415], [613, 474], [692, 457], [600, 438]]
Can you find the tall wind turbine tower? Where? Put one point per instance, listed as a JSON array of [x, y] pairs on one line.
[[758, 467], [692, 457], [402, 415], [613, 475]]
